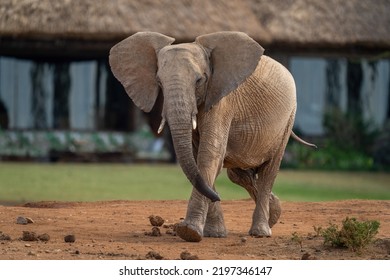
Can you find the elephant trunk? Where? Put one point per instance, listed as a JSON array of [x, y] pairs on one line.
[[182, 141]]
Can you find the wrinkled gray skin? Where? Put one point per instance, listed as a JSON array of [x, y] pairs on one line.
[[227, 105]]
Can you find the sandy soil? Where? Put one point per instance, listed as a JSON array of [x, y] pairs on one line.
[[122, 230]]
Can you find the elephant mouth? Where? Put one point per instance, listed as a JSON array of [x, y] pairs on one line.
[[164, 121]]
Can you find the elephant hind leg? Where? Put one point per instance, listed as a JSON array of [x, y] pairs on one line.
[[247, 180], [265, 200], [275, 210]]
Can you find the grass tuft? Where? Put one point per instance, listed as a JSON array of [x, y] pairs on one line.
[[353, 234]]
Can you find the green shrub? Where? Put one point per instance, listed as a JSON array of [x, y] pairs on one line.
[[350, 143], [349, 132], [295, 237], [327, 157], [381, 148], [354, 235]]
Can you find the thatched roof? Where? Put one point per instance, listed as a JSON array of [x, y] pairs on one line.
[[97, 24], [326, 24], [108, 19]]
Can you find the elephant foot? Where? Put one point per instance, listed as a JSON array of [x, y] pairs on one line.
[[217, 232], [261, 231], [188, 232]]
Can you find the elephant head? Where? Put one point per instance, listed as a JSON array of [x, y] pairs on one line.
[[190, 76]]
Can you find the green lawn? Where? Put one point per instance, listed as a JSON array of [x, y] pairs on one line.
[[22, 182]]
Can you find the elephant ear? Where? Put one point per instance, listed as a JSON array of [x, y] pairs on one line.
[[133, 62], [233, 58]]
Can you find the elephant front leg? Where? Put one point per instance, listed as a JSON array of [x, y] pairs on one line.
[[191, 229], [215, 224], [210, 160], [203, 218]]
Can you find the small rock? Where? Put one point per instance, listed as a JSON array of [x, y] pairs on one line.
[[156, 221], [70, 238], [29, 236], [188, 256], [305, 256], [44, 237], [27, 245], [156, 231], [151, 255], [4, 236], [32, 253], [171, 229], [386, 244], [77, 252], [243, 239], [29, 220], [21, 221]]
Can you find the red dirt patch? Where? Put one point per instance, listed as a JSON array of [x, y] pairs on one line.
[[119, 230]]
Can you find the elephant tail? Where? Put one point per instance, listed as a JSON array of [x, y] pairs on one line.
[[293, 135]]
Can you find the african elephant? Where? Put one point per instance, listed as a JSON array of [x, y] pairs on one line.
[[227, 105]]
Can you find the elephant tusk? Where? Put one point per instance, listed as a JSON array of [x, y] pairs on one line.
[[161, 127], [193, 122]]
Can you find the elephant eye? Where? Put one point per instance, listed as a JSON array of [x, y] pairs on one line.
[[201, 80]]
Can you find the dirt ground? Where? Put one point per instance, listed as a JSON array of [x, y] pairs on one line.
[[122, 230]]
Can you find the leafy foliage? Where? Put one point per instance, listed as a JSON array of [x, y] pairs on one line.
[[381, 149], [349, 132], [351, 143], [327, 157], [353, 234]]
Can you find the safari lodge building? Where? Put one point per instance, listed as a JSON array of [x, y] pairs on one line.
[[57, 92]]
